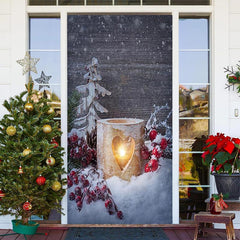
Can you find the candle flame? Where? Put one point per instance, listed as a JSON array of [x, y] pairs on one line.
[[121, 151]]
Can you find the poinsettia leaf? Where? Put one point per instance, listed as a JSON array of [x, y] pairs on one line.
[[211, 148], [216, 196], [237, 145], [222, 157], [207, 160], [227, 167], [233, 155], [226, 196], [238, 163]]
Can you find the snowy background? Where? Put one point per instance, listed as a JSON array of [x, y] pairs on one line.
[[146, 199], [135, 63]]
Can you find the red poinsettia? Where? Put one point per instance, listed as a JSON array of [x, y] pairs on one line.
[[222, 152]]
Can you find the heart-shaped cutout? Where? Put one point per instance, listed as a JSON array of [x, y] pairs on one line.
[[123, 150]]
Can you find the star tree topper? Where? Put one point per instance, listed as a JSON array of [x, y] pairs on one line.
[[28, 63], [43, 81]]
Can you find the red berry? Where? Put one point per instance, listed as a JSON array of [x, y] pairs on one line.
[[156, 152], [88, 199], [72, 173], [86, 183], [120, 214], [145, 154], [97, 190], [108, 203], [75, 180], [110, 212], [151, 166], [71, 196], [70, 183], [78, 198], [93, 195], [86, 190], [82, 177], [79, 205], [73, 138], [163, 143], [104, 188], [78, 191], [152, 135]]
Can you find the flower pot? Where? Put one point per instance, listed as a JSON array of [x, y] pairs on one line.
[[28, 229], [228, 184]]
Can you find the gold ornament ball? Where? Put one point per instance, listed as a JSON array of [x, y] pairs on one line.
[[47, 128], [50, 161], [11, 130], [56, 186], [26, 152], [29, 107], [50, 111]]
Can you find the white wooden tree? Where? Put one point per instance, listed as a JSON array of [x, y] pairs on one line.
[[89, 105]]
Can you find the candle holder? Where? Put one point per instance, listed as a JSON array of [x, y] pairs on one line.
[[118, 147]]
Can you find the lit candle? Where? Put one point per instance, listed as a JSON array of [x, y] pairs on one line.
[[121, 151]]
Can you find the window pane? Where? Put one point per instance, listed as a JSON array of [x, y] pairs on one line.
[[71, 2], [99, 2], [193, 67], [192, 200], [42, 2], [189, 129], [49, 63], [155, 2], [44, 33], [127, 2], [193, 33], [191, 170], [190, 2], [193, 101]]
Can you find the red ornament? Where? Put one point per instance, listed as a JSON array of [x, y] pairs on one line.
[[152, 135], [151, 166], [145, 154], [20, 170], [41, 180], [27, 206], [156, 152], [2, 194], [55, 143]]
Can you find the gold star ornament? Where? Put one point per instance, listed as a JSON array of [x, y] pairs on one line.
[[28, 63]]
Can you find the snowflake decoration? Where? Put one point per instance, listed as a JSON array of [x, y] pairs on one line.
[[28, 63], [43, 81]]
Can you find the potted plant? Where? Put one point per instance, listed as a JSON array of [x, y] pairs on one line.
[[221, 153], [31, 161]]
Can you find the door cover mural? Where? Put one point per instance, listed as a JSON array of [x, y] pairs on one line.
[[119, 119]]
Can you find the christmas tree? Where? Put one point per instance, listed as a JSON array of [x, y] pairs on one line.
[[86, 111], [31, 161]]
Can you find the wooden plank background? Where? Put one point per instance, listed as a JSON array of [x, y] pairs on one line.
[[135, 57]]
